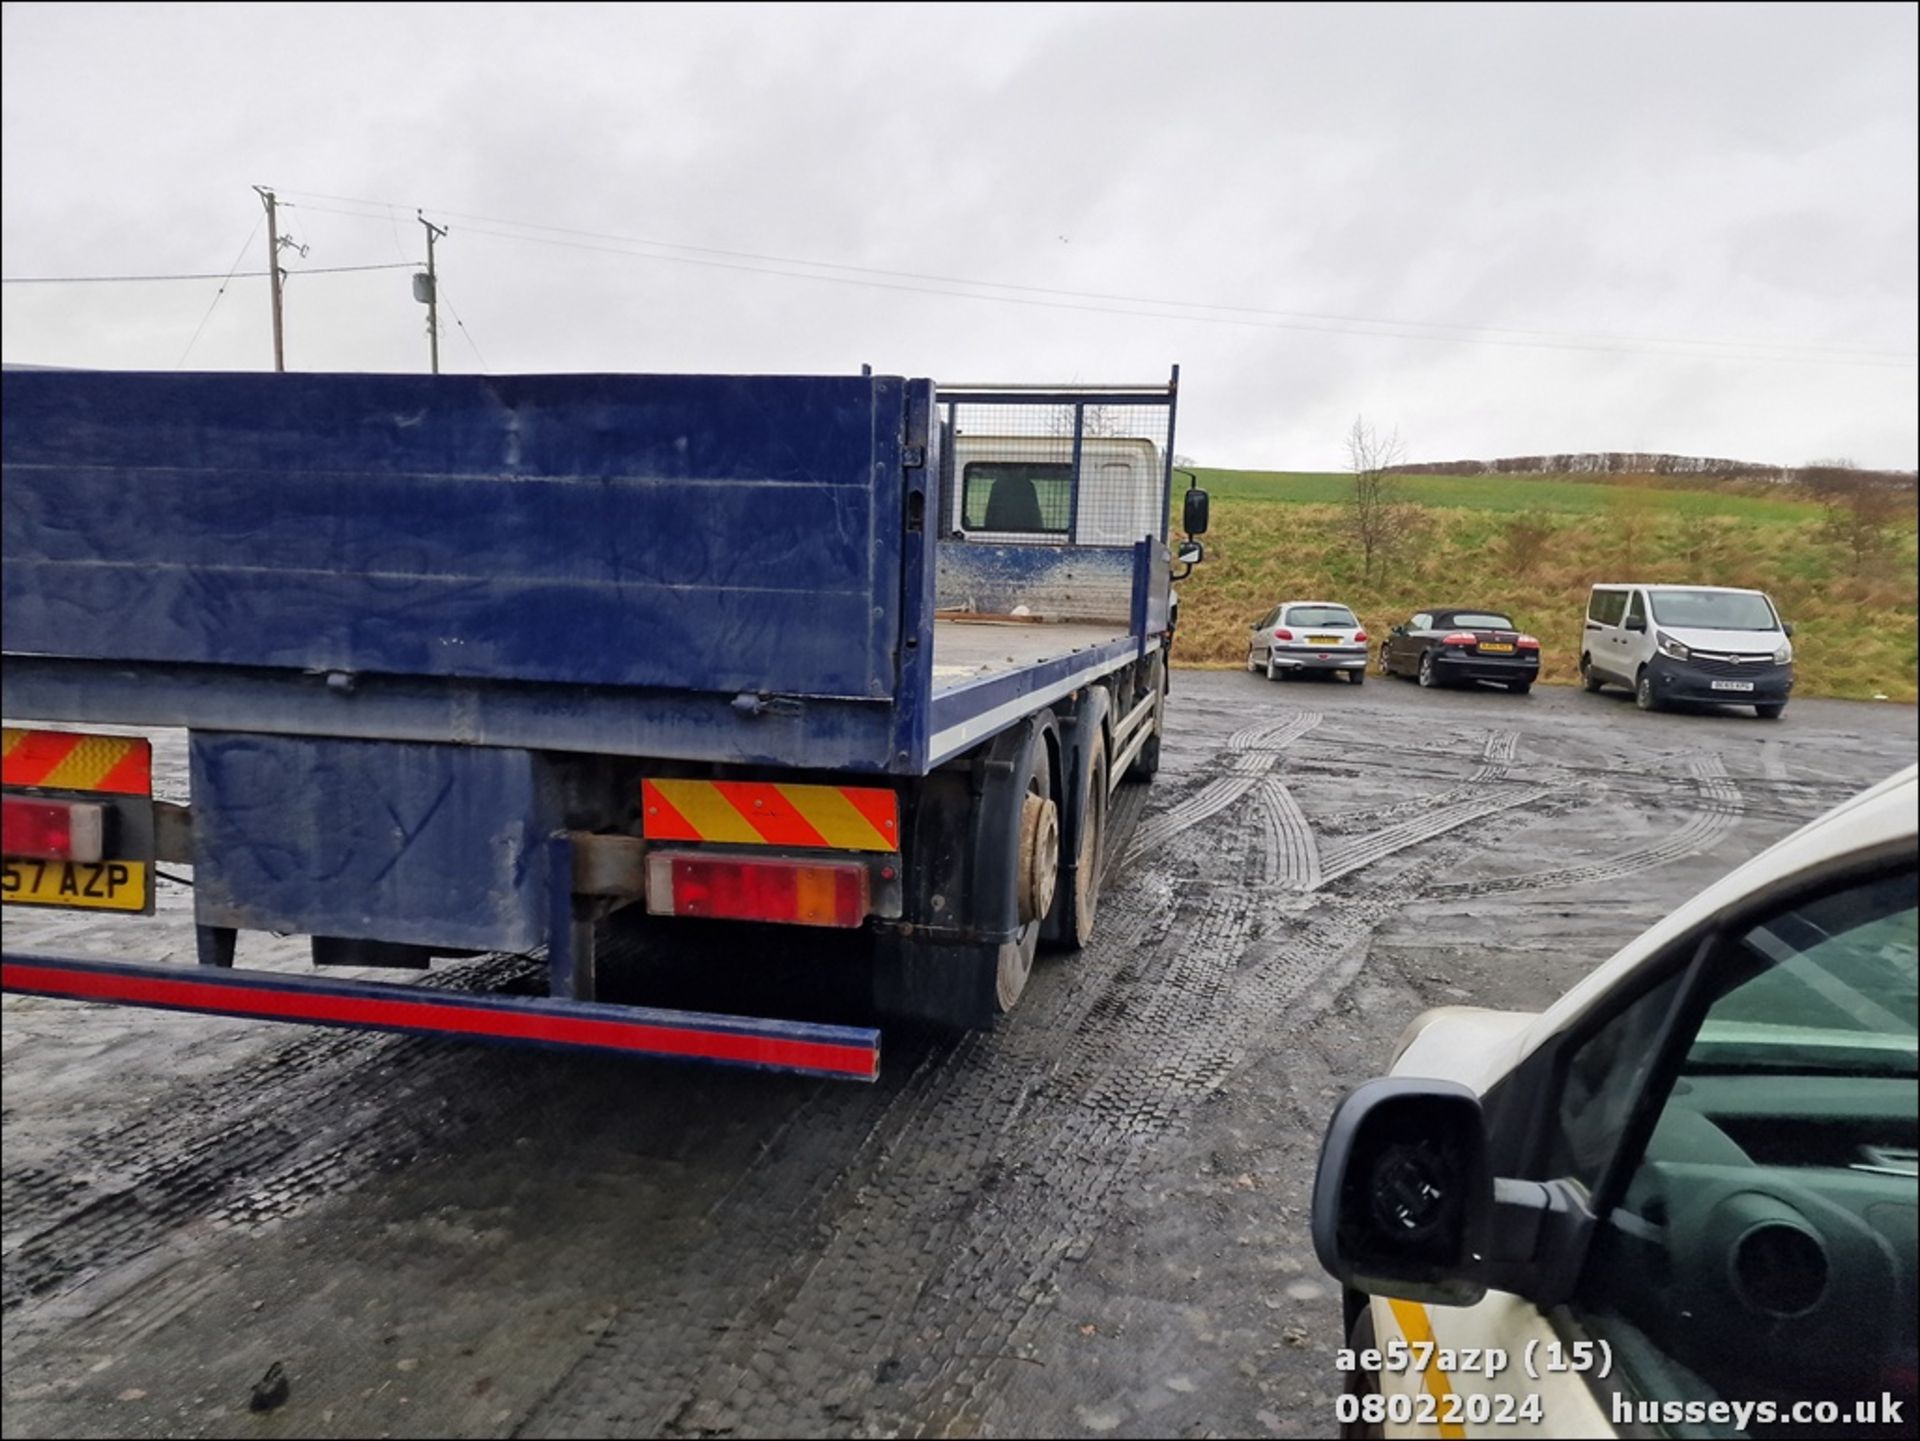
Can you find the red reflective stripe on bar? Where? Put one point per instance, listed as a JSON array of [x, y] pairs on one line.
[[446, 1016]]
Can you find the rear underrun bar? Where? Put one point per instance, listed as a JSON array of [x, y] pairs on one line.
[[846, 1052]]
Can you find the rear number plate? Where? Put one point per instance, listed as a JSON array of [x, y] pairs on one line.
[[1496, 647], [1323, 640], [86, 885], [1733, 685]]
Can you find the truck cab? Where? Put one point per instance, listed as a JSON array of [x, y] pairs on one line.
[[1020, 490]]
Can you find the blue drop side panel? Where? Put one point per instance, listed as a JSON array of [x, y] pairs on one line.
[[433, 845], [686, 532]]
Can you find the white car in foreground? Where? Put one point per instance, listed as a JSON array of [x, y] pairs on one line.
[[1681, 1201]]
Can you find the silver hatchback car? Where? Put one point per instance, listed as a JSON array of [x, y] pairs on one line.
[[1309, 637]]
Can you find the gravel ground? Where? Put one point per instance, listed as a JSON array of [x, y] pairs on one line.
[[1091, 1221]]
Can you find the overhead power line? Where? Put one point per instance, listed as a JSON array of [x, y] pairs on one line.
[[204, 275], [1115, 303]]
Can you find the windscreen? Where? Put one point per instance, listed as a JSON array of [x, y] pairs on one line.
[[1714, 609], [1337, 616]]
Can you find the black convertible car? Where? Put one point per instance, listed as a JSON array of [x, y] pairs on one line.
[[1441, 646]]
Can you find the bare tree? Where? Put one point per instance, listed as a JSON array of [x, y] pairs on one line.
[[1095, 420], [1862, 510], [1375, 512]]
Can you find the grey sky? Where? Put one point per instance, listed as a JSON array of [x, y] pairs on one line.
[[1525, 221]]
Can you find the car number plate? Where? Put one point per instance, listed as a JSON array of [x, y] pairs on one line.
[[1733, 685], [86, 885], [1323, 640], [1497, 647]]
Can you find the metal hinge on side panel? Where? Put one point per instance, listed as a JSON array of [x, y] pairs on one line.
[[913, 457]]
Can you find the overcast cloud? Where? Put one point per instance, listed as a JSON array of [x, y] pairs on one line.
[[1501, 229]]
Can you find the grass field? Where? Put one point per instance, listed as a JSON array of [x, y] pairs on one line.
[[1532, 546]]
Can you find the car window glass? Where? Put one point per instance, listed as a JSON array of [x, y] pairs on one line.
[[1423, 621], [1016, 496], [1765, 1245], [1479, 620], [1636, 607], [1597, 606], [1267, 619], [1337, 616], [1714, 610], [1600, 1080]]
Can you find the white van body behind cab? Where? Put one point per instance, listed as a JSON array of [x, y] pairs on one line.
[[1670, 643]]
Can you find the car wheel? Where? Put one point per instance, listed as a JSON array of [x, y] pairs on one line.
[[1589, 682], [1385, 669], [1360, 1382], [1357, 677], [1520, 687], [1771, 712], [1643, 695], [1253, 666], [1428, 677], [1273, 671]]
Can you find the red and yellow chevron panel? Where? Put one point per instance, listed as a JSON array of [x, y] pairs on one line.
[[763, 813], [66, 761]]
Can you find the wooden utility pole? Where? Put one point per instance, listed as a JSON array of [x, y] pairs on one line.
[[432, 296], [273, 278]]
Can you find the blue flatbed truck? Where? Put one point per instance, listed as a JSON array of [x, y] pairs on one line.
[[466, 664]]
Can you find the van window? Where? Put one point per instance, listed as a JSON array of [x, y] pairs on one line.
[[1607, 606], [1017, 495], [1638, 607], [1714, 609]]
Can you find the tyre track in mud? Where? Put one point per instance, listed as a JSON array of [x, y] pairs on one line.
[[1721, 805], [1252, 752]]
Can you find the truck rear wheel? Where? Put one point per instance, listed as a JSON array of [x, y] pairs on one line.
[[1036, 873]]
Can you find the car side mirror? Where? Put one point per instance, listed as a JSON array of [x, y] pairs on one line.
[[1405, 1203], [1191, 552], [1636, 622], [1193, 513], [1398, 630], [1786, 629]]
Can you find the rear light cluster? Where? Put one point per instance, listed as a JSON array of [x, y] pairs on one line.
[[1283, 635], [1359, 637], [1527, 642], [52, 830], [807, 893], [1460, 637]]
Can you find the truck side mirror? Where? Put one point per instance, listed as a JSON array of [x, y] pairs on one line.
[[1405, 1203], [1193, 516], [1636, 622], [1191, 552]]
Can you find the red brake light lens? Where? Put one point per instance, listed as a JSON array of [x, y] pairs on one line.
[[1460, 637], [1359, 637], [737, 888], [1527, 642], [1283, 635], [52, 830]]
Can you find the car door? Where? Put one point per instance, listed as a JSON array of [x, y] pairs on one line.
[[1636, 637], [1606, 608], [1405, 649], [1262, 640], [1740, 1122]]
